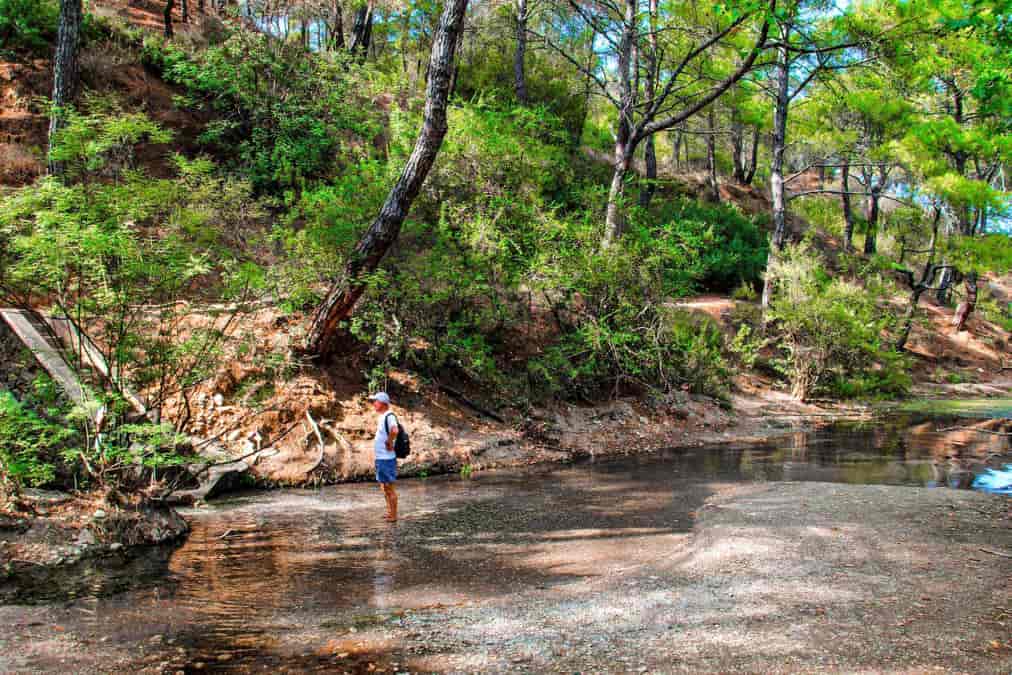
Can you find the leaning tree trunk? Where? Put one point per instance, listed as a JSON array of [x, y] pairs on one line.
[[519, 54], [341, 299], [65, 71], [848, 214], [777, 190], [966, 307], [167, 17], [361, 32]]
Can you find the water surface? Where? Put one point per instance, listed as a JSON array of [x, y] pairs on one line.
[[261, 568]]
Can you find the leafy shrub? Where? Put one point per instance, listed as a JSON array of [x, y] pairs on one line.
[[27, 25], [746, 345], [831, 331], [699, 245], [285, 116], [118, 254], [30, 445], [551, 84], [102, 140]]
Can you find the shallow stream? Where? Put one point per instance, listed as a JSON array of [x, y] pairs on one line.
[[259, 566]]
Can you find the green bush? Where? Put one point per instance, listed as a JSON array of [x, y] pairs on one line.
[[701, 246], [832, 332], [30, 446], [28, 25], [119, 252], [285, 118]]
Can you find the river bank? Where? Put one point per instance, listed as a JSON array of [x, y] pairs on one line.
[[61, 536]]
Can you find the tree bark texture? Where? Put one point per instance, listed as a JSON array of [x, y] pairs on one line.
[[65, 70], [871, 238], [711, 155], [848, 213], [167, 17], [622, 158], [650, 150], [520, 53], [361, 31], [382, 233], [338, 31], [966, 307], [777, 190]]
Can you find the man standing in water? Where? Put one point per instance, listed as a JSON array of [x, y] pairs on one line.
[[386, 459]]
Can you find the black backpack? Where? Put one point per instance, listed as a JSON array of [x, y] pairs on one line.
[[402, 444]]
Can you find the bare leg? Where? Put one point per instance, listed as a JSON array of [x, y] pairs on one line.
[[390, 493]]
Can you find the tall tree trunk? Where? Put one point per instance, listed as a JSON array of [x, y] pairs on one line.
[[185, 6], [624, 148], [519, 54], [650, 150], [167, 17], [65, 71], [711, 154], [737, 148], [944, 285], [202, 6], [337, 38], [650, 164], [361, 32], [848, 214], [753, 162], [676, 149], [341, 299], [777, 191], [871, 239]]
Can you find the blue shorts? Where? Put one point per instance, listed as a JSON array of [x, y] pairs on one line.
[[386, 470]]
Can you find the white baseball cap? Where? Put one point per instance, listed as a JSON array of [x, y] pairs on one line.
[[380, 396]]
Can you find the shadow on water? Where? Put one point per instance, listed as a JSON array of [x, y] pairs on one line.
[[263, 576]]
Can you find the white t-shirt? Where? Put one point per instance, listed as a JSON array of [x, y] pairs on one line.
[[380, 444]]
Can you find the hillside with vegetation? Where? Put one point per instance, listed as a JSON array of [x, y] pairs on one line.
[[545, 228]]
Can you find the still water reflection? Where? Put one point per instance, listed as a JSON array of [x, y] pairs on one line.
[[260, 569]]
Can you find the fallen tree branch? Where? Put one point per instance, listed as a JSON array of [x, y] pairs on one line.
[[997, 553], [979, 431], [319, 437], [469, 403]]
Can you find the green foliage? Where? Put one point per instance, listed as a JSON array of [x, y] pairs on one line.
[[103, 140], [118, 253], [832, 332], [746, 345], [30, 445], [994, 310], [551, 84], [284, 117], [701, 246], [27, 25]]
